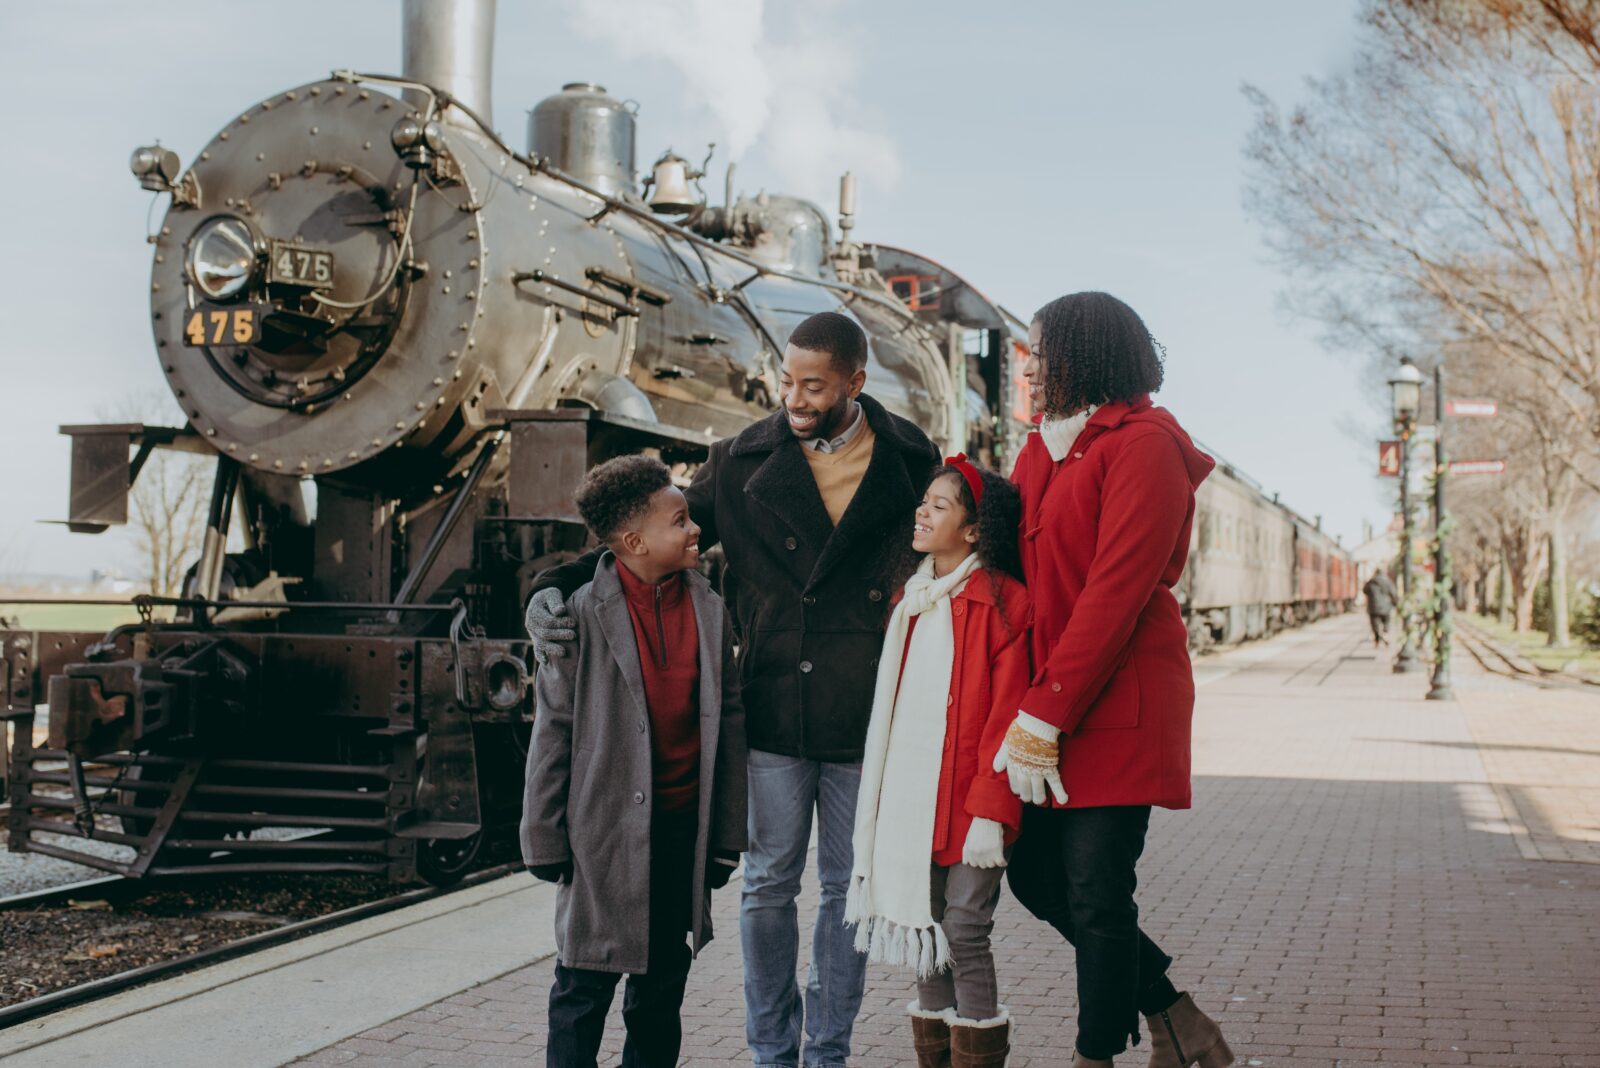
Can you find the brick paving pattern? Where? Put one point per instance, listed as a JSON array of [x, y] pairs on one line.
[[1349, 889]]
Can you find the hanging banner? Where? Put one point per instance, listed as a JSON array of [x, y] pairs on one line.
[[1477, 467], [1471, 407], [1389, 459]]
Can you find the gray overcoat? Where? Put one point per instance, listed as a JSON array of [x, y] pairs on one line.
[[588, 793]]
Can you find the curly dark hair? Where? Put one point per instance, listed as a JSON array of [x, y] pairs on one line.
[[840, 336], [618, 492], [999, 519], [1095, 349]]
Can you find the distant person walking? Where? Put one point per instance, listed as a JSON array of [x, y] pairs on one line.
[[1381, 597]]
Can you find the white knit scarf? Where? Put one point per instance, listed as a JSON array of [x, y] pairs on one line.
[[888, 899]]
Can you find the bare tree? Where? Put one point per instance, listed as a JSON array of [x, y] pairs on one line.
[[1458, 168], [1443, 200], [167, 506]]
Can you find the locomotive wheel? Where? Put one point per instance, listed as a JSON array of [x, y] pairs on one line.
[[443, 861]]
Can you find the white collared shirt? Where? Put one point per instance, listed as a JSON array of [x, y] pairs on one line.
[[845, 436]]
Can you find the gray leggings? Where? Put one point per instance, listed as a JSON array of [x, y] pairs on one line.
[[963, 902]]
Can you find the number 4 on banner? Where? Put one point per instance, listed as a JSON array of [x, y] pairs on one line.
[[1389, 459]]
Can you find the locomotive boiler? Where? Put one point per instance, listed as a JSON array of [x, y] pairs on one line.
[[402, 341]]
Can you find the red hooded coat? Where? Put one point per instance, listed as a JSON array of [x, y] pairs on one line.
[[1105, 533], [988, 676]]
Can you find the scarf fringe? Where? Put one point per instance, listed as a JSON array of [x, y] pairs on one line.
[[924, 949]]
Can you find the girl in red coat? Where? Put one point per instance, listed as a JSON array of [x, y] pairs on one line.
[[934, 817], [1102, 734]]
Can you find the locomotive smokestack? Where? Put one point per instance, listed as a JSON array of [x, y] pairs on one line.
[[449, 44]]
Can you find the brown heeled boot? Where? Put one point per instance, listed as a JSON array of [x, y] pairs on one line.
[[1182, 1036], [980, 1043], [930, 1035]]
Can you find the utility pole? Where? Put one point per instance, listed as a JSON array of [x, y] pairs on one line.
[[1440, 689], [1406, 393]]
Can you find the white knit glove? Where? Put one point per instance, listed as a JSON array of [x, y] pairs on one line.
[[985, 846], [1031, 759]]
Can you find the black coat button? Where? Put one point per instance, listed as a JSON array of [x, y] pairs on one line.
[[790, 543], [805, 666], [874, 595], [808, 600]]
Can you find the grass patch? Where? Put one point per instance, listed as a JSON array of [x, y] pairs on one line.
[[90, 617], [1576, 659]]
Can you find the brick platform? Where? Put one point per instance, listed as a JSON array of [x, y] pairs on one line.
[[1359, 882]]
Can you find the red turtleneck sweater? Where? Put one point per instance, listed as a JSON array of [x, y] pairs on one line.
[[668, 636]]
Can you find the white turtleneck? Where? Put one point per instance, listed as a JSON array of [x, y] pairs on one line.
[[1059, 434]]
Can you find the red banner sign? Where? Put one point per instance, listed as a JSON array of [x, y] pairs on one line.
[[1477, 467], [1471, 407], [1389, 459]]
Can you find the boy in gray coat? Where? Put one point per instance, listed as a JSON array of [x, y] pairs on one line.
[[635, 796]]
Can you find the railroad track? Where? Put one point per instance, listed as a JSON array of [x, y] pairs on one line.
[[114, 984], [1495, 661]]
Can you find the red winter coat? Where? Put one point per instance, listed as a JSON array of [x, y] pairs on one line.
[[1105, 533], [988, 676]]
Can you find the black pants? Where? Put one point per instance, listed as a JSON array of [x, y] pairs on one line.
[[1380, 624], [651, 1002], [1074, 869]]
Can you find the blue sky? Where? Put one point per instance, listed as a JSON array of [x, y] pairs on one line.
[[1036, 148]]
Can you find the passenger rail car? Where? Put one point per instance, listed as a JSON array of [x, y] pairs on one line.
[[1255, 566]]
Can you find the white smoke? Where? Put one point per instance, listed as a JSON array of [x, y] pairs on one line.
[[787, 97]]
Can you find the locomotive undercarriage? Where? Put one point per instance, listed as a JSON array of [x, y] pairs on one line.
[[354, 734]]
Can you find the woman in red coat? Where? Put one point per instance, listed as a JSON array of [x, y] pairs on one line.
[[1102, 734]]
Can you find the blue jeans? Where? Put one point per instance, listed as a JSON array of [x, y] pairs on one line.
[[783, 792]]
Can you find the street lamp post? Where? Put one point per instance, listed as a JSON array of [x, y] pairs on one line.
[[1440, 690], [1405, 390]]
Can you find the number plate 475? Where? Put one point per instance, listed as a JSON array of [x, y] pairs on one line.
[[213, 324], [297, 266]]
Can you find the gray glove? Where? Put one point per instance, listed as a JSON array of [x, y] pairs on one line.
[[549, 625]]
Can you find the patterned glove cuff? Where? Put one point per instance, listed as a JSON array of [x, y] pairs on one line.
[[1027, 750]]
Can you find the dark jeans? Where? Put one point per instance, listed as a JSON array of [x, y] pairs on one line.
[[1074, 869], [651, 1003], [1380, 625]]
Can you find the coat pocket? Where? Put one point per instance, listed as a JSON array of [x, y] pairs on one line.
[[1117, 707]]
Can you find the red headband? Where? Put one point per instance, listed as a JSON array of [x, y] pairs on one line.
[[970, 473]]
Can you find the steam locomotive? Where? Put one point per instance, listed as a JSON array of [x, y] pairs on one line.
[[402, 342]]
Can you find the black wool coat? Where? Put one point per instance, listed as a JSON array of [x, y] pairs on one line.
[[809, 599]]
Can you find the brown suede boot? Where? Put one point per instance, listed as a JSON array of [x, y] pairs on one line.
[[930, 1035], [1080, 1061], [1182, 1036], [980, 1043]]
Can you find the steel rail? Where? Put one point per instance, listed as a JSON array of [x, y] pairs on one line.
[[114, 984]]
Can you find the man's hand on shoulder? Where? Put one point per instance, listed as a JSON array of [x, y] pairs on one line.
[[550, 626]]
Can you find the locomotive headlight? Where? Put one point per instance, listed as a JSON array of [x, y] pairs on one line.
[[222, 257], [155, 167]]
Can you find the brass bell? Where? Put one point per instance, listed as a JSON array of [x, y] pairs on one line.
[[669, 186]]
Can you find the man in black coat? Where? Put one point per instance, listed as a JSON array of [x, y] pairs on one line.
[[1381, 596], [812, 506]]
